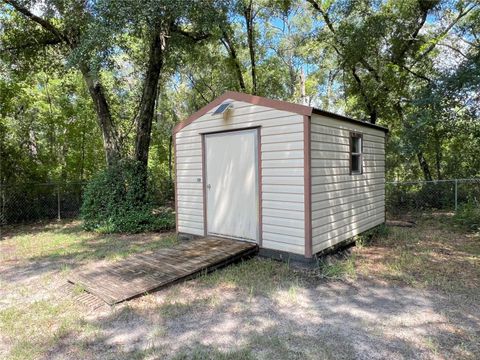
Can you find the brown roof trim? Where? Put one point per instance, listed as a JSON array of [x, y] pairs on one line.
[[274, 104], [348, 119], [252, 99]]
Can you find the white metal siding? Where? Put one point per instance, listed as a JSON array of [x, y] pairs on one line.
[[344, 205], [282, 172]]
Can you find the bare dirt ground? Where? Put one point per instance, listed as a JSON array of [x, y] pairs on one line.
[[413, 293]]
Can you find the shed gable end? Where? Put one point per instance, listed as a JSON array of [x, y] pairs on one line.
[[282, 169]]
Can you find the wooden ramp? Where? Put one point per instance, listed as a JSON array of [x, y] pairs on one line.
[[139, 274]]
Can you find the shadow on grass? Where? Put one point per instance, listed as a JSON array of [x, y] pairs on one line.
[[32, 251], [435, 254], [264, 309], [8, 231], [330, 321]]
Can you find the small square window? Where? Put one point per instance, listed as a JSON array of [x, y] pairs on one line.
[[356, 149]]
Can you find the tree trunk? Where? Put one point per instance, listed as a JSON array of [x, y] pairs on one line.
[[303, 95], [248, 14], [149, 95], [293, 76], [82, 164], [372, 110], [170, 158], [427, 175], [438, 152], [104, 117], [228, 43], [111, 140]]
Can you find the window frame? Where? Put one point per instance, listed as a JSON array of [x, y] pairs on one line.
[[359, 154]]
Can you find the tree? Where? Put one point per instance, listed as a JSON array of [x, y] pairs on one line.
[[48, 126], [410, 65], [387, 55], [91, 35]]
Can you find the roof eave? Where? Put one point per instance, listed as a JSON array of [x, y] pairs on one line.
[[348, 119]]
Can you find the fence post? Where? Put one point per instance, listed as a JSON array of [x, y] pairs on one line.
[[456, 194], [58, 203]]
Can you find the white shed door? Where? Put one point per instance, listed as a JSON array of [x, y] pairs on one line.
[[232, 184]]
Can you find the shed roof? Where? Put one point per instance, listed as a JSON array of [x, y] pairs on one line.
[[275, 104]]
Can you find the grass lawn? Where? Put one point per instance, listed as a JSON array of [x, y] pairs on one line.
[[407, 293]]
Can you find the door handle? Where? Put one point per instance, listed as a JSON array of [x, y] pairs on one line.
[[209, 186]]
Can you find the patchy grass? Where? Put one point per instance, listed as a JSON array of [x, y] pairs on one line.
[[436, 254], [33, 328], [349, 307], [433, 254], [66, 239], [337, 268], [201, 352], [78, 289], [173, 308], [256, 276]]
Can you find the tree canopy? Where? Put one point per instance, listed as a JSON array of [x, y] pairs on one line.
[[83, 84]]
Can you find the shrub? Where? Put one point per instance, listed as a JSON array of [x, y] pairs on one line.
[[468, 215], [119, 199]]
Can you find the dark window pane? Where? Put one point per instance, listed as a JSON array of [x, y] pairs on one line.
[[356, 164], [356, 145]]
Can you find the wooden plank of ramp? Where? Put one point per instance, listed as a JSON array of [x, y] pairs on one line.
[[139, 274]]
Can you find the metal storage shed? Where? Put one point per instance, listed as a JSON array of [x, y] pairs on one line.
[[291, 178]]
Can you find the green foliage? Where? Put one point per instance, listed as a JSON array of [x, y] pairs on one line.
[[367, 59], [468, 215], [378, 232], [119, 199], [48, 130]]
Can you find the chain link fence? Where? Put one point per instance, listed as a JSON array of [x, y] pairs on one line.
[[33, 202], [26, 203], [417, 196]]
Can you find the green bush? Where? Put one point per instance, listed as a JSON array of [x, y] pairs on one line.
[[115, 200], [468, 215]]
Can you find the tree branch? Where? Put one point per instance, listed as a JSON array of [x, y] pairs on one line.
[[420, 76], [330, 26], [33, 44], [396, 59], [191, 35], [460, 15], [42, 22], [201, 93], [325, 16], [454, 49]]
